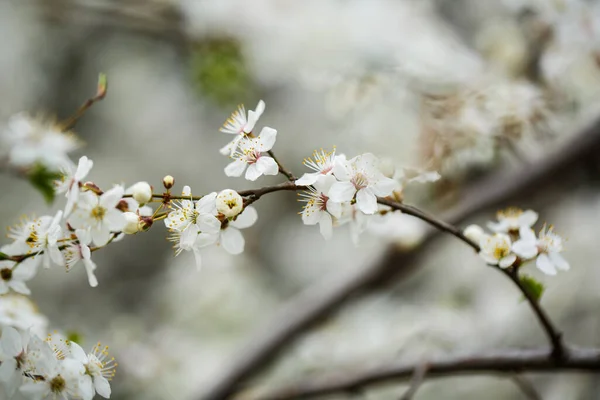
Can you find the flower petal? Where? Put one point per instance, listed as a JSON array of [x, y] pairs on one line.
[[267, 165], [246, 219], [235, 168], [366, 201], [266, 139], [545, 265], [232, 240], [342, 191], [384, 186], [307, 179], [253, 172], [326, 225], [558, 261], [507, 261]]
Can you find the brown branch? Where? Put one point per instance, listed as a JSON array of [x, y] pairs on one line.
[[504, 362], [329, 293], [282, 170]]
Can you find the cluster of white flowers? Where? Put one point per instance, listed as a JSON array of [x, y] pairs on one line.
[[466, 129], [514, 242], [28, 141], [52, 368]]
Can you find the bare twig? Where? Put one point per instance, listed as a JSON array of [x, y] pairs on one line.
[[317, 301], [282, 170], [501, 362]]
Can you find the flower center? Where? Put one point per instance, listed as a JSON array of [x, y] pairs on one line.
[[252, 156], [322, 202], [360, 181], [231, 204], [57, 384], [501, 251], [6, 274], [98, 213], [32, 238]]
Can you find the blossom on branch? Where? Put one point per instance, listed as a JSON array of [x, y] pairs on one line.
[[322, 163], [547, 247], [237, 124], [70, 182], [496, 250], [251, 154], [319, 208]]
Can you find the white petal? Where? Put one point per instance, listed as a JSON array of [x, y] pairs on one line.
[[232, 240], [334, 208], [207, 204], [101, 235], [78, 353], [311, 215], [102, 386], [246, 219], [114, 219], [253, 172], [90, 266], [307, 179], [528, 218], [342, 191], [260, 108], [197, 258], [72, 196], [559, 261], [267, 165], [527, 234], [507, 261], [385, 186], [19, 287], [235, 168], [545, 265], [366, 201], [341, 169], [11, 341], [266, 139], [35, 391], [498, 227], [83, 168], [208, 223], [326, 225], [111, 197], [206, 239], [525, 249]]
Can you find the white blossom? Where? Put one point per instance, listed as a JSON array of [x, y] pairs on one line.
[[193, 225], [512, 219], [360, 177], [64, 379], [237, 124], [474, 233], [99, 214], [32, 141], [251, 154], [319, 208], [99, 367], [231, 238], [496, 250], [71, 180], [322, 163], [132, 223], [36, 236], [547, 247], [14, 275], [229, 203]]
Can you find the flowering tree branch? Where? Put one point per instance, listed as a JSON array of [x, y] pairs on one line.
[[331, 292], [507, 361]]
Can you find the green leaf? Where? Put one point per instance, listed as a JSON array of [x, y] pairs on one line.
[[533, 287], [4, 256], [43, 180]]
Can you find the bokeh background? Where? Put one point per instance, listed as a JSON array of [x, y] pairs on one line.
[[465, 87]]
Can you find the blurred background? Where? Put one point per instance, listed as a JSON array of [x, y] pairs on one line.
[[463, 87]]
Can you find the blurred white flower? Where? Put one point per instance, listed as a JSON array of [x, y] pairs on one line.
[[360, 177], [474, 233], [21, 313], [29, 141], [13, 276], [100, 368], [512, 219], [496, 250], [547, 247], [250, 154], [61, 379], [237, 124]]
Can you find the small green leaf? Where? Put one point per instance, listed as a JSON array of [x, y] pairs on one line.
[[533, 287], [4, 256], [75, 336], [102, 86], [43, 180]]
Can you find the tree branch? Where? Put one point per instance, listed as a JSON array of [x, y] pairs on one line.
[[502, 362]]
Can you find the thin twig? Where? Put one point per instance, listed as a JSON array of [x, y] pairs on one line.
[[282, 170], [501, 362]]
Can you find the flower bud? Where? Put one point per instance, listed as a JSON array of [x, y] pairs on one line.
[[474, 233], [122, 205], [229, 203], [141, 192], [132, 221], [168, 182], [91, 186], [387, 167]]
